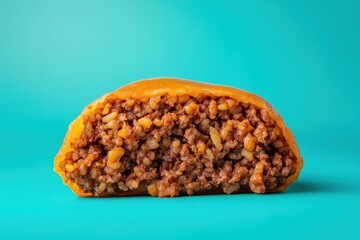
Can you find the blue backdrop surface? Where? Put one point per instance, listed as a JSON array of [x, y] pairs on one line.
[[302, 56]]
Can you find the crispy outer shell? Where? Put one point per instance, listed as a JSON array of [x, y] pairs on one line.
[[172, 87]]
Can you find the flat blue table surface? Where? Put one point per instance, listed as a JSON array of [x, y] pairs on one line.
[[303, 57]]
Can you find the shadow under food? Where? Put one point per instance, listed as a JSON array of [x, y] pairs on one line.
[[315, 186]]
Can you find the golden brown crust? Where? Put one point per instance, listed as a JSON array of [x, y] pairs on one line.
[[172, 87]]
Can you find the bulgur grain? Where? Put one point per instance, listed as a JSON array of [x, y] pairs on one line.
[[179, 144]]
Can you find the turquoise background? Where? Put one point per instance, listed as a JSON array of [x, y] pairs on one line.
[[302, 56]]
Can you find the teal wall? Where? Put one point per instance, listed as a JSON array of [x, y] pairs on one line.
[[302, 56]]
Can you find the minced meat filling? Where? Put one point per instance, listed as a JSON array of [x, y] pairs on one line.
[[179, 145]]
